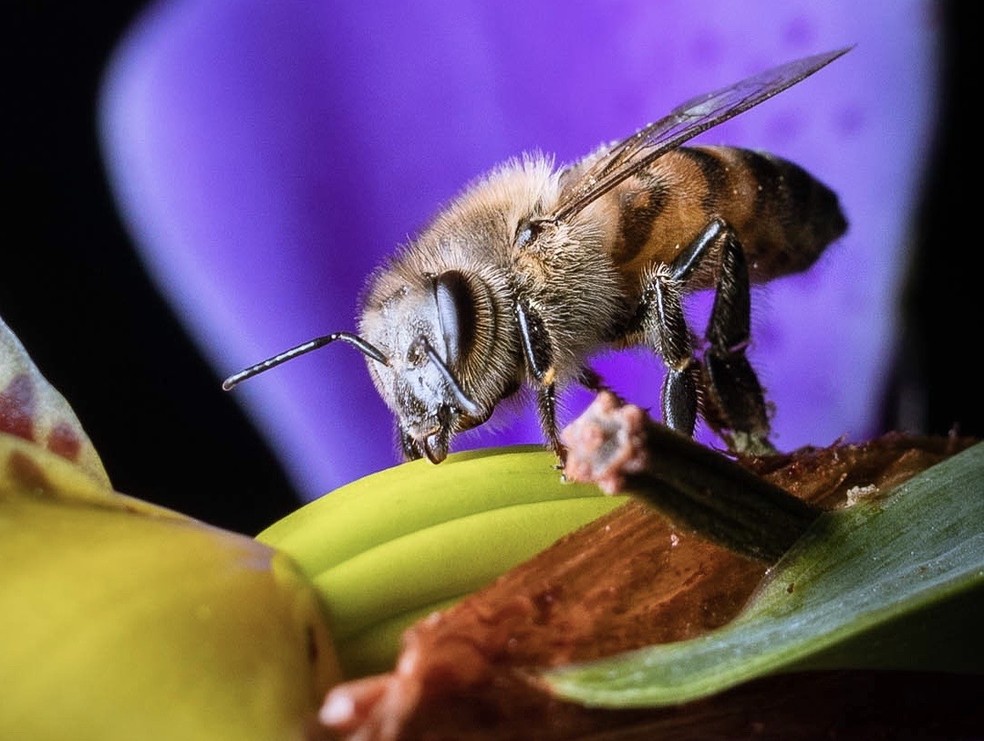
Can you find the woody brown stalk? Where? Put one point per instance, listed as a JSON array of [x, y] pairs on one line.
[[623, 451]]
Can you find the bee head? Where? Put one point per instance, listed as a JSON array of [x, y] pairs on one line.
[[426, 328], [417, 341]]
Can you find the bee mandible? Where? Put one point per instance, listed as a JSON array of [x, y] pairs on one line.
[[534, 268]]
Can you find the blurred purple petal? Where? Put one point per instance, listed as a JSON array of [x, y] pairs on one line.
[[267, 155]]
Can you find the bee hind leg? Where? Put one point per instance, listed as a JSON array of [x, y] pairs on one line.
[[724, 385], [734, 404]]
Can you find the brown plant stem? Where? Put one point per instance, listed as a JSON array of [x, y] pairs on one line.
[[700, 490]]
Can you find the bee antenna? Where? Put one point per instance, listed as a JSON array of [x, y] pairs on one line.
[[464, 401], [254, 370]]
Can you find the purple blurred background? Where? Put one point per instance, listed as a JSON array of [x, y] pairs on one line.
[[264, 156]]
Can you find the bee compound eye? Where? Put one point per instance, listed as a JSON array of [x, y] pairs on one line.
[[456, 313]]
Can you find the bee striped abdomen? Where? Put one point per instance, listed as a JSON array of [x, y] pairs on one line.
[[783, 216]]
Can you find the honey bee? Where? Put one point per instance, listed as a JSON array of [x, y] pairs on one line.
[[534, 268]]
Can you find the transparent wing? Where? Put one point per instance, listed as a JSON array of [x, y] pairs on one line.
[[640, 150]]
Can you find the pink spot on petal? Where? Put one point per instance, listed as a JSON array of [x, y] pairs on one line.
[[64, 441], [17, 407]]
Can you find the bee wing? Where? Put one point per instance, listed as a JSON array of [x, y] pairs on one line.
[[641, 149]]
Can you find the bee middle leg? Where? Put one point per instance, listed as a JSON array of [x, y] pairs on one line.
[[732, 403], [538, 350]]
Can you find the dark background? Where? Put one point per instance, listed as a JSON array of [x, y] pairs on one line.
[[73, 290]]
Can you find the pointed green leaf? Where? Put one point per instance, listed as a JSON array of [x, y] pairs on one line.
[[855, 591]]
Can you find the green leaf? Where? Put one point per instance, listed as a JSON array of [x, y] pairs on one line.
[[891, 581]]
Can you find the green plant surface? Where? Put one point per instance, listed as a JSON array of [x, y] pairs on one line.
[[894, 580]]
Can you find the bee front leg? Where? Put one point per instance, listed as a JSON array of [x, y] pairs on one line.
[[538, 351]]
